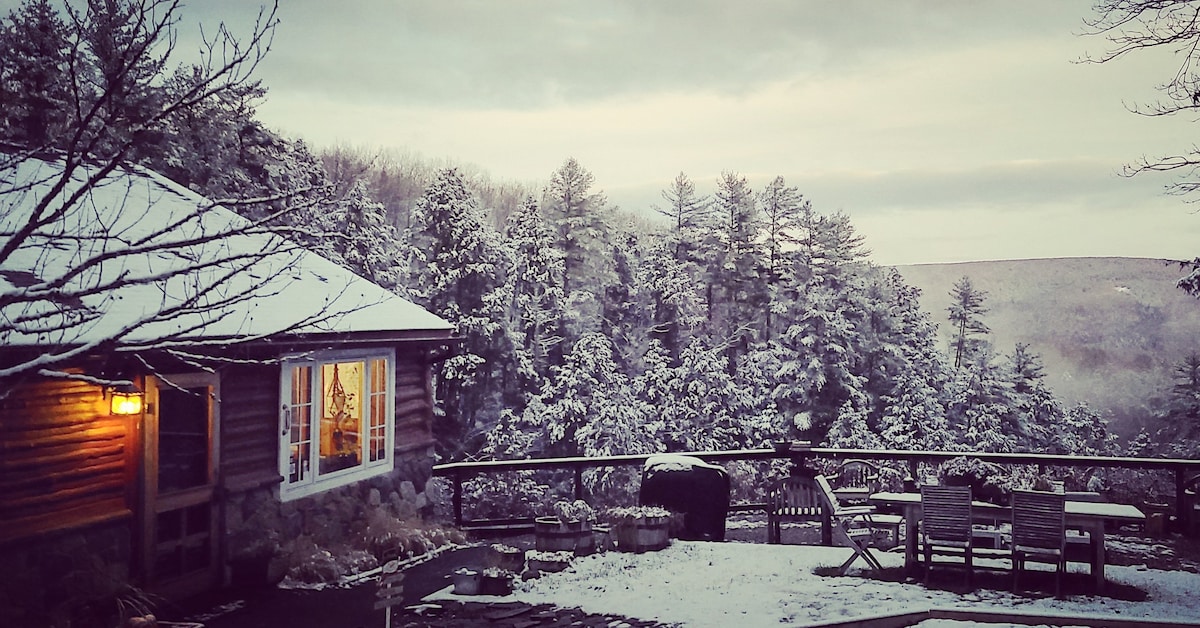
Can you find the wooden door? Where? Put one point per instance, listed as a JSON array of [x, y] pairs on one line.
[[180, 530]]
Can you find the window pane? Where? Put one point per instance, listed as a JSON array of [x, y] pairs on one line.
[[379, 390], [300, 438], [341, 410], [183, 444]]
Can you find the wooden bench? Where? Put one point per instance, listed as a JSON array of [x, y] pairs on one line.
[[795, 498]]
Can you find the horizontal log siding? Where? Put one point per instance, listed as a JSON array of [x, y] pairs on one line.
[[63, 458], [250, 424], [250, 421], [414, 409]]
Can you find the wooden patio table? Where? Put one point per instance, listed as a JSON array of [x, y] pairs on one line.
[[1085, 516]]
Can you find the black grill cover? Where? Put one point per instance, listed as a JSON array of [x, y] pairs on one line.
[[690, 486]]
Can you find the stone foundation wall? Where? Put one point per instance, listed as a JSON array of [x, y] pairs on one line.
[[71, 578], [344, 519]]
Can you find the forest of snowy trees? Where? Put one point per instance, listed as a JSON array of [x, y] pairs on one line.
[[729, 321]]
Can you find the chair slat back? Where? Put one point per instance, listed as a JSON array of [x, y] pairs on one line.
[[828, 498], [795, 495], [946, 513], [1038, 519]]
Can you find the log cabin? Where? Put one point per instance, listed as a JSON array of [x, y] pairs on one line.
[[168, 418]]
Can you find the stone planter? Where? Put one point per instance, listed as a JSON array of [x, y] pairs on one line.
[[548, 562], [642, 534], [553, 535], [495, 584], [505, 557], [467, 582]]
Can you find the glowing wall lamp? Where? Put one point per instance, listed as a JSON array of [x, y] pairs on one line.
[[125, 399]]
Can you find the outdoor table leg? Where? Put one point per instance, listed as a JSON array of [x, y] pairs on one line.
[[1095, 532], [912, 512]]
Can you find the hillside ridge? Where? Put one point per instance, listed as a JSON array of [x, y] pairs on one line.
[[1110, 330]]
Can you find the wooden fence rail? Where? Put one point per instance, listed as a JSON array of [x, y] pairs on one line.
[[1185, 472]]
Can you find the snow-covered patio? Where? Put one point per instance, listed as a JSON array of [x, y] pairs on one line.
[[699, 584]]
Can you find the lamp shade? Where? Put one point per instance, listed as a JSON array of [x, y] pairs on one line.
[[125, 400]]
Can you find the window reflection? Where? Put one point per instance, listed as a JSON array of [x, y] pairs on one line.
[[341, 424]]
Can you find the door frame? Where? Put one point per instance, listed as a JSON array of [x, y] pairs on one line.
[[152, 503]]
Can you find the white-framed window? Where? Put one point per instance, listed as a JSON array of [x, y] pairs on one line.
[[338, 418]]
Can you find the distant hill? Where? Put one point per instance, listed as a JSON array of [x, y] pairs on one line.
[[1109, 329]]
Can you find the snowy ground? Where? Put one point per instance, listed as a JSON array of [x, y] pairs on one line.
[[701, 584]]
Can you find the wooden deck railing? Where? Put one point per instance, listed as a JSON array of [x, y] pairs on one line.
[[1183, 470]]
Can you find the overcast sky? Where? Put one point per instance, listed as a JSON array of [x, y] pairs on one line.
[[947, 130]]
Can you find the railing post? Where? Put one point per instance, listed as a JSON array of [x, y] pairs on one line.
[[579, 481], [1183, 510], [458, 498]]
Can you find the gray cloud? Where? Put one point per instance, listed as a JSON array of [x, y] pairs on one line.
[[525, 54]]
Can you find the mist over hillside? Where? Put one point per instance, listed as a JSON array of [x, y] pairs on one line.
[[1110, 330]]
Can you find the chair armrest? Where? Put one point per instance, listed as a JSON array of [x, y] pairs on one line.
[[853, 511]]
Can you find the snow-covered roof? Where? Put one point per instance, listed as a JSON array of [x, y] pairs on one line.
[[144, 260]]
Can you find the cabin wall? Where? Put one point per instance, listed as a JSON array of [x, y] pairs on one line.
[[67, 473], [253, 516], [70, 474]]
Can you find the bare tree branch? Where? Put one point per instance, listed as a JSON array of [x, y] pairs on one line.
[[97, 255]]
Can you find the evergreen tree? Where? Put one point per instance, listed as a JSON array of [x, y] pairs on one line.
[[577, 215], [674, 300], [536, 311], [34, 75], [966, 314], [981, 405], [458, 266], [360, 238], [621, 318], [688, 214], [583, 228], [131, 105], [782, 208], [824, 327], [851, 428], [588, 400], [736, 293], [1036, 409]]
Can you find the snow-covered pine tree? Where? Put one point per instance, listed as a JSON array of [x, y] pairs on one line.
[[736, 294], [781, 207], [457, 270], [583, 227], [589, 406], [688, 214], [673, 297], [34, 74], [536, 310], [824, 327], [966, 310]]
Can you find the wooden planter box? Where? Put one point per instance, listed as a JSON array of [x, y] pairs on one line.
[[495, 585], [552, 535], [642, 534]]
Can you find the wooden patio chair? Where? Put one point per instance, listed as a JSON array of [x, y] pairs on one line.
[[1039, 533], [855, 480], [1192, 504], [792, 498], [852, 526], [946, 525]]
